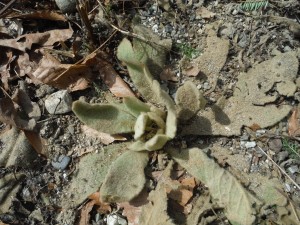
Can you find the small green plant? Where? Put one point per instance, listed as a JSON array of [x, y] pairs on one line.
[[254, 5], [187, 50], [291, 147]]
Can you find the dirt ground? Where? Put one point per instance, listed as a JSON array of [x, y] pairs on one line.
[[149, 112]]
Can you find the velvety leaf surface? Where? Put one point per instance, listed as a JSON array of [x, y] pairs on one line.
[[106, 118], [225, 189], [125, 178], [189, 100]]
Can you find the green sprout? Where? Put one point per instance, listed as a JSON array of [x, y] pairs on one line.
[[291, 147], [187, 50]]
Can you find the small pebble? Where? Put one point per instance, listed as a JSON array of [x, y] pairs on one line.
[[115, 219], [206, 86], [61, 163], [250, 144], [66, 6], [59, 102], [293, 169], [259, 133], [287, 187], [282, 155], [245, 137], [275, 144]]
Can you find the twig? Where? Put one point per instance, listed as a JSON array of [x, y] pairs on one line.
[[130, 34], [7, 6], [282, 170]]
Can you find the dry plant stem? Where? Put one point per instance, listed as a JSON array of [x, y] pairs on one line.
[[130, 34], [7, 6], [282, 170], [82, 10], [6, 93]]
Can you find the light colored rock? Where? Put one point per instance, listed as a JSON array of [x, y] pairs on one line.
[[250, 144], [59, 102], [66, 6], [61, 163], [115, 219]]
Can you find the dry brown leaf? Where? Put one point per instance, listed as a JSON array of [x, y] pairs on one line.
[[132, 210], [85, 213], [189, 183], [293, 124], [191, 71], [5, 59], [104, 137], [9, 115], [255, 127], [114, 82], [37, 142], [168, 75], [62, 76], [181, 196], [40, 14], [46, 39], [102, 207]]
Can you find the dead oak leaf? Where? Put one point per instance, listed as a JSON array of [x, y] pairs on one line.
[[48, 38], [293, 124]]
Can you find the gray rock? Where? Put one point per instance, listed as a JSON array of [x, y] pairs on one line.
[[66, 6], [282, 155], [59, 102], [293, 169], [61, 163], [275, 145]]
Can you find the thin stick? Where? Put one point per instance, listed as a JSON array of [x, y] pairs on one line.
[[130, 34], [7, 6], [282, 170]]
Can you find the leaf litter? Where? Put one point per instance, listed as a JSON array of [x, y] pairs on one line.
[[152, 121]]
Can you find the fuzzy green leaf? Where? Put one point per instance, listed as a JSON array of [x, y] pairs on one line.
[[135, 106], [189, 100], [140, 125], [152, 52], [107, 118], [156, 142], [126, 178], [142, 81], [165, 99], [225, 189]]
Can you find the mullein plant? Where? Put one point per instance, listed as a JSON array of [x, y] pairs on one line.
[[153, 122]]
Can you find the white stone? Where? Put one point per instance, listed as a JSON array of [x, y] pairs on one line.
[[59, 102], [115, 219], [250, 144]]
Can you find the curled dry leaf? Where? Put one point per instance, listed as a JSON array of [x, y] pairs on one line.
[[10, 115], [39, 14], [293, 124], [85, 213], [102, 207], [104, 137], [114, 82], [48, 38], [52, 72]]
